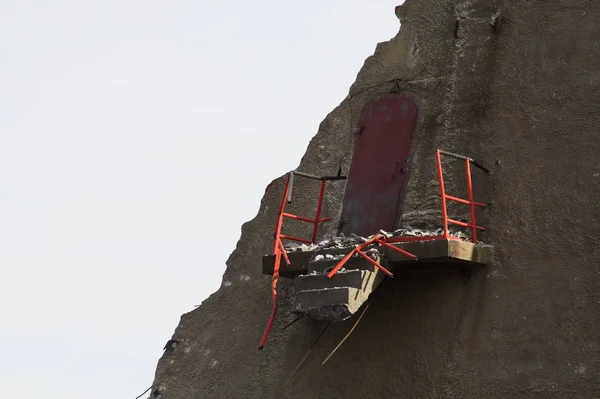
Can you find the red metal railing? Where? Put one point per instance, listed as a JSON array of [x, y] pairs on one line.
[[279, 248], [472, 225], [446, 221], [380, 240]]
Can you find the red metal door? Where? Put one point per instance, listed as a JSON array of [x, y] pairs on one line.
[[380, 166]]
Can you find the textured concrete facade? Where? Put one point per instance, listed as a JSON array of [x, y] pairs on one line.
[[513, 83]]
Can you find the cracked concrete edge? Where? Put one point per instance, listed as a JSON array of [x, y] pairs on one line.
[[402, 63]]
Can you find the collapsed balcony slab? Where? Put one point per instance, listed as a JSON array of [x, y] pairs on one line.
[[440, 252]]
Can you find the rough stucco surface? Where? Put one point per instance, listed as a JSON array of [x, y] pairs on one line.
[[524, 98]]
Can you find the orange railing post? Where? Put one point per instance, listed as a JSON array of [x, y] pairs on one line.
[[442, 193], [281, 213], [472, 225], [279, 248], [471, 201]]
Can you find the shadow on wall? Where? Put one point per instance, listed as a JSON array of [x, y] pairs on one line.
[[414, 331]]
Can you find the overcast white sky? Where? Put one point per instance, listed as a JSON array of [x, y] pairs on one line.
[[130, 133]]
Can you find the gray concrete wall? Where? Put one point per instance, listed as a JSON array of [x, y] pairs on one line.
[[524, 98]]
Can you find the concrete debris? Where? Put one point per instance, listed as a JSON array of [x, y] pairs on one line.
[[315, 273], [373, 253], [335, 242], [343, 242], [334, 299], [410, 232]]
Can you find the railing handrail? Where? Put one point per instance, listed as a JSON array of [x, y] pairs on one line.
[[471, 160], [278, 247], [471, 201]]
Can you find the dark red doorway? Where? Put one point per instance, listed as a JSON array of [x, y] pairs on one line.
[[380, 165]]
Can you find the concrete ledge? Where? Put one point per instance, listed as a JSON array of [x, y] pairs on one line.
[[442, 251], [336, 298], [334, 304], [350, 279], [352, 264], [438, 253], [301, 263]]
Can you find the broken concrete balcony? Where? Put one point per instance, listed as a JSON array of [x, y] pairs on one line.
[[339, 297], [325, 289]]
